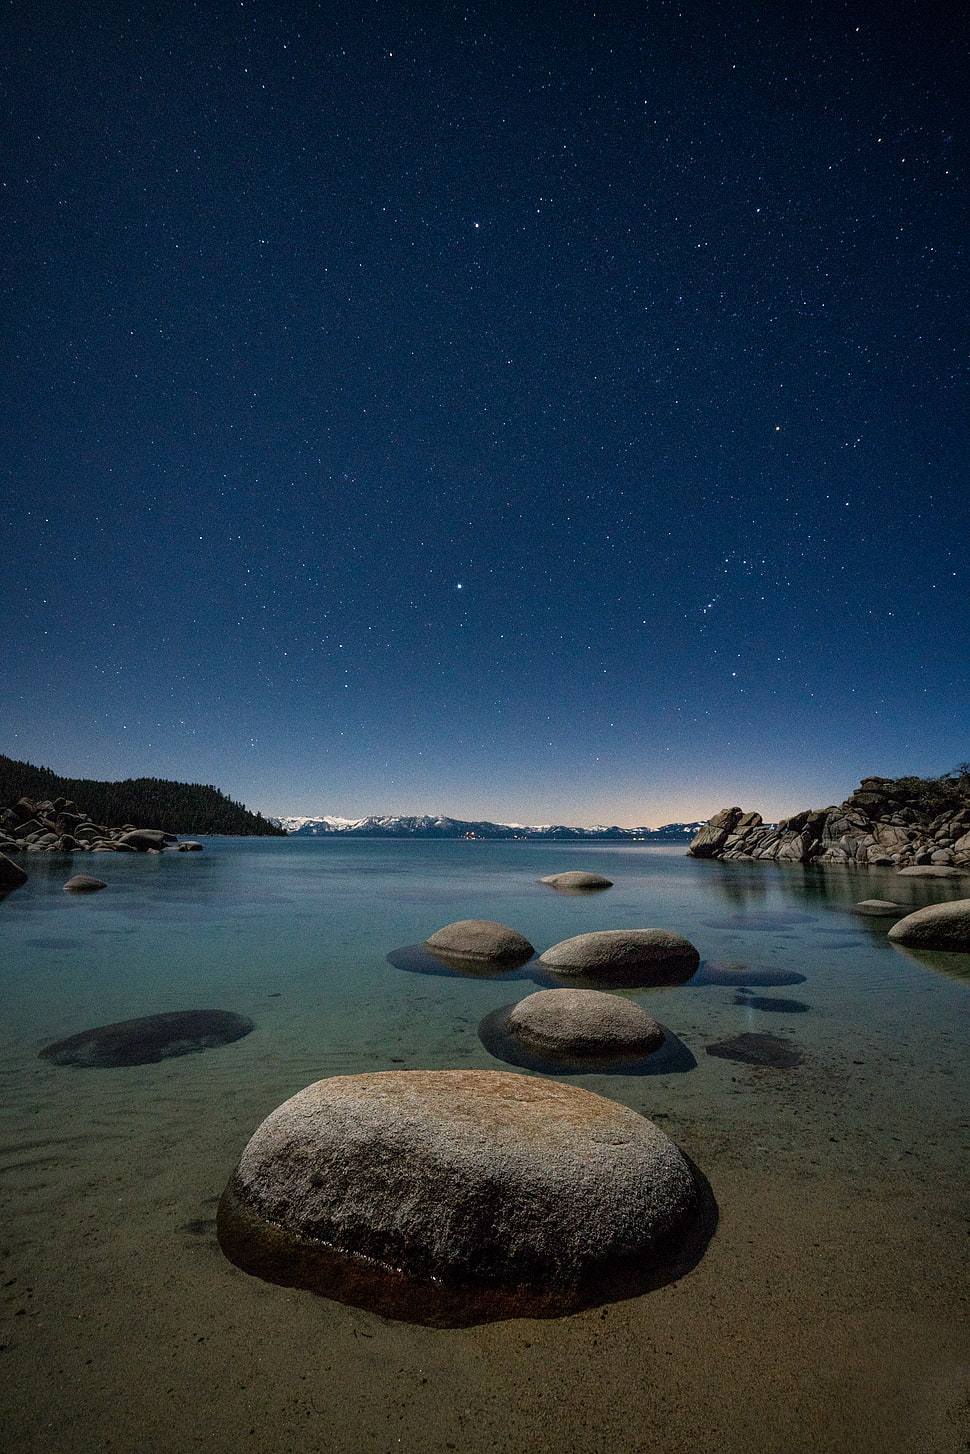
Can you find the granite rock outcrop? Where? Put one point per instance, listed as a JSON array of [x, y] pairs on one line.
[[887, 822], [58, 826]]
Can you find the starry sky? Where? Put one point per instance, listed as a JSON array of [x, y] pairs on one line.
[[539, 413]]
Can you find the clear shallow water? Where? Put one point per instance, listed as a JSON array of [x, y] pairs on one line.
[[296, 933]]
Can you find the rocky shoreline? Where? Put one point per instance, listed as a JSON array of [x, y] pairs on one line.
[[883, 824], [58, 826]]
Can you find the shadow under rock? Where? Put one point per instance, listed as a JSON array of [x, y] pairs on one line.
[[734, 974], [770, 1003], [419, 959], [767, 1051], [951, 962], [670, 1057], [387, 1291]]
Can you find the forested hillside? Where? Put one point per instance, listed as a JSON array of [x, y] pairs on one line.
[[149, 802]]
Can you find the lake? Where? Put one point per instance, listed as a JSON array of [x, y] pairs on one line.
[[829, 1312]]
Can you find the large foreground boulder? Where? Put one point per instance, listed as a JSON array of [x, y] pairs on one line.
[[939, 926], [481, 939], [454, 1196], [569, 1024], [643, 956]]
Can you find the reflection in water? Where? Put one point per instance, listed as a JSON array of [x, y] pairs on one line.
[[764, 922], [942, 961], [419, 959]]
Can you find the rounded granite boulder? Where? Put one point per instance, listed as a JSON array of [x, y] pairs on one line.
[[147, 839], [84, 883], [642, 956], [877, 908], [576, 881], [930, 870], [457, 1196], [939, 926], [481, 939], [566, 1024]]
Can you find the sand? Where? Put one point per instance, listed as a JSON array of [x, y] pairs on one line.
[[829, 1313]]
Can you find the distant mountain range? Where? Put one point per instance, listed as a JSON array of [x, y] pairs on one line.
[[428, 826]]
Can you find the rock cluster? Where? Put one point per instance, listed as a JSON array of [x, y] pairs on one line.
[[59, 826], [875, 826]]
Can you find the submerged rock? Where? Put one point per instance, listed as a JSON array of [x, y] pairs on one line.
[[939, 926], [576, 881], [84, 883], [455, 1196], [755, 1049], [877, 908], [930, 870], [481, 939], [644, 956], [586, 1024], [151, 1038]]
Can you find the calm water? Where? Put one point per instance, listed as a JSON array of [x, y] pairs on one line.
[[296, 933]]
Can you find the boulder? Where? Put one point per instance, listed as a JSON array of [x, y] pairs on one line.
[[939, 926], [481, 939], [877, 908], [930, 870], [27, 827], [713, 836], [643, 955], [189, 845], [11, 874], [455, 1196], [145, 838], [575, 881], [150, 1039], [565, 1024], [83, 883]]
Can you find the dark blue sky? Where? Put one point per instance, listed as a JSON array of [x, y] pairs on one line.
[[526, 412]]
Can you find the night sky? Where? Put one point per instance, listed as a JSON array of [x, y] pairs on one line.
[[532, 412]]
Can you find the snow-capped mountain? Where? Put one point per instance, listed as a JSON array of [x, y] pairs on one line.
[[435, 826]]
